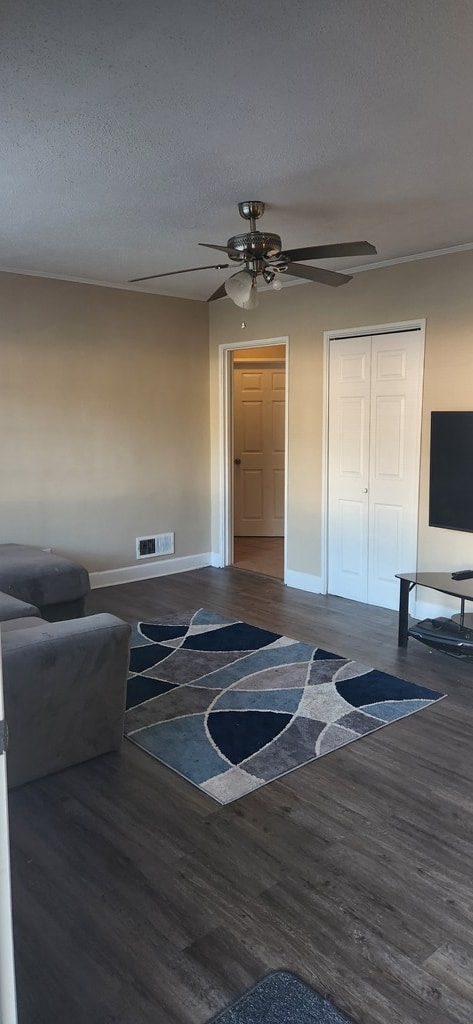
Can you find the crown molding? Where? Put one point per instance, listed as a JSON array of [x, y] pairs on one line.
[[410, 259], [375, 265], [87, 280]]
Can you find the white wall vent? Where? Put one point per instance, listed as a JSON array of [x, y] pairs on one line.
[[156, 545]]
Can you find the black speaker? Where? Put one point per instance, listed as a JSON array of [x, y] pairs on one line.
[[444, 634]]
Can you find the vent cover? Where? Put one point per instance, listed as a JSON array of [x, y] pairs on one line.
[[158, 544]]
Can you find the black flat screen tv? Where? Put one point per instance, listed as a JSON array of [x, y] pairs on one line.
[[451, 471]]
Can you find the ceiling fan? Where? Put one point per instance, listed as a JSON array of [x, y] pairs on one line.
[[262, 255]]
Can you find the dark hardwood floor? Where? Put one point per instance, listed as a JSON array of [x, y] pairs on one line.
[[137, 899]]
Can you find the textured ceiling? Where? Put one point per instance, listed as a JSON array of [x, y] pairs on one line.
[[130, 130]]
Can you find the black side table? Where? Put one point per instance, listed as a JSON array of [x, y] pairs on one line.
[[440, 581]]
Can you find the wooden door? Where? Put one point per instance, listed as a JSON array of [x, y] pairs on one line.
[[259, 450]]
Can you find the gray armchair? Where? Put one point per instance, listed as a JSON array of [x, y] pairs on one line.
[[64, 687]]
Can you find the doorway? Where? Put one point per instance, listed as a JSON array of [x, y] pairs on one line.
[[259, 455], [253, 497], [373, 460]]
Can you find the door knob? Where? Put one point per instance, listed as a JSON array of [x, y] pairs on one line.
[[365, 490], [237, 462]]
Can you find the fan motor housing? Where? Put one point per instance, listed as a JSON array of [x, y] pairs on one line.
[[261, 244]]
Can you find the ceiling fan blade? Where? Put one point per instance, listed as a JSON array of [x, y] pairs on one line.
[[323, 252], [219, 294], [225, 248], [170, 273], [317, 274]]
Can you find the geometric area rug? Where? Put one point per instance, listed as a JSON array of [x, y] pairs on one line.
[[281, 998], [231, 707]]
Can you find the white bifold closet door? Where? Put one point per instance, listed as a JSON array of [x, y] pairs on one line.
[[375, 392]]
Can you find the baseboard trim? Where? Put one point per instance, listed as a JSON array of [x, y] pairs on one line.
[[165, 567], [446, 606], [303, 581]]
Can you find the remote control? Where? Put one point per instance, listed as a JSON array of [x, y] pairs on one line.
[[463, 574]]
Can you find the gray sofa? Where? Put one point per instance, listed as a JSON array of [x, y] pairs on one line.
[[55, 585], [64, 687]]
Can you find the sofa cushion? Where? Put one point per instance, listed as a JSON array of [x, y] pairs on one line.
[[11, 625], [12, 608], [40, 577]]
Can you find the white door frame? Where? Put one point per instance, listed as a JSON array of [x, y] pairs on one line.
[[8, 1012], [356, 332], [225, 554]]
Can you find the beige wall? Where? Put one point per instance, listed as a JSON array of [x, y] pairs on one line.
[[438, 289], [104, 405], [104, 419]]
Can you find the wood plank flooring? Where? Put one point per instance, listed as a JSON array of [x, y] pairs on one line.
[[137, 899], [264, 555]]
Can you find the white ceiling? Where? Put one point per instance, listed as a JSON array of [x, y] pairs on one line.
[[130, 130]]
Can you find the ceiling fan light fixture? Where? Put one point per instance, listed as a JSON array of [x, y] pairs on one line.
[[241, 289], [262, 255], [252, 298]]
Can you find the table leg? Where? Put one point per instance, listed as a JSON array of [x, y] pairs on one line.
[[404, 590]]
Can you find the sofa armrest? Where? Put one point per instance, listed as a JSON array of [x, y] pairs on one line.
[[13, 608], [64, 688]]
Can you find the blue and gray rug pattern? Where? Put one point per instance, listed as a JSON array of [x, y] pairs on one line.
[[230, 706], [281, 998]]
